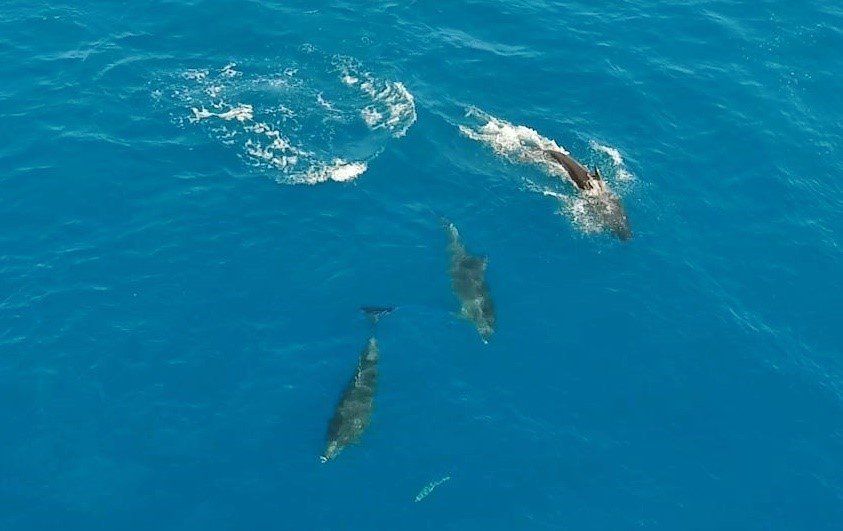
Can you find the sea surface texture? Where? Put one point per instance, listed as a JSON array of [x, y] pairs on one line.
[[197, 197]]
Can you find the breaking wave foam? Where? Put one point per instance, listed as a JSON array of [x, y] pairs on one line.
[[299, 122], [339, 171]]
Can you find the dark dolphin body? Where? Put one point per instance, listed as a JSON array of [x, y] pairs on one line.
[[576, 171], [604, 203], [468, 276], [354, 410]]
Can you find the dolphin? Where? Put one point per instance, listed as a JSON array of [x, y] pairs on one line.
[[602, 201], [468, 278], [354, 409]]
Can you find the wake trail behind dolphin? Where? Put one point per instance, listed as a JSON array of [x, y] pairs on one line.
[[593, 206]]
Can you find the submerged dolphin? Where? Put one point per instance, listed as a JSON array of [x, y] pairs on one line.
[[603, 202], [354, 409], [468, 277]]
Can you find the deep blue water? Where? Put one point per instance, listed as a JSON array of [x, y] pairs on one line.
[[178, 307]]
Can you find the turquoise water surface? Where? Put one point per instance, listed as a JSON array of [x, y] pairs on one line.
[[198, 196]]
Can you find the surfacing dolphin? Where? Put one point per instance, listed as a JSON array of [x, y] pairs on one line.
[[605, 204], [354, 409], [468, 278]]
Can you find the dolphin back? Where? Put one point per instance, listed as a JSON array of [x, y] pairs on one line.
[[354, 410], [468, 280], [576, 171]]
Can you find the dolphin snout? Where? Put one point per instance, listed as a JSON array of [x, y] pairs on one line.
[[331, 452]]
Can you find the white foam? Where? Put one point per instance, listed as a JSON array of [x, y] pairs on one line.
[[577, 209], [338, 171], [241, 113], [613, 153], [402, 107], [274, 148], [278, 116], [520, 144], [286, 112], [195, 74], [516, 143], [617, 160], [214, 91], [320, 99], [392, 106], [371, 116], [277, 151], [229, 71], [430, 487], [574, 207]]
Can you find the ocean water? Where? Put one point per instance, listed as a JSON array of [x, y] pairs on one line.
[[198, 196]]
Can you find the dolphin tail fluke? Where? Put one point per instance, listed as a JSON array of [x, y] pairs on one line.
[[374, 313]]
